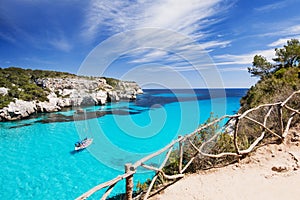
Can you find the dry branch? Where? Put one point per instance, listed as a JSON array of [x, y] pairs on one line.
[[104, 185], [162, 172], [246, 151], [257, 122], [156, 175], [108, 191], [213, 155], [291, 109], [236, 128], [180, 156], [139, 163], [279, 108], [209, 124], [288, 126], [283, 103], [256, 108]]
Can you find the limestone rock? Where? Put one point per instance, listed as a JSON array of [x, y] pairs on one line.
[[18, 110], [55, 84], [3, 91], [113, 96], [101, 97], [67, 92], [64, 102], [139, 91], [48, 106]]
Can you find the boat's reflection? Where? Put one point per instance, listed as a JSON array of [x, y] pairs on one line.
[[76, 151]]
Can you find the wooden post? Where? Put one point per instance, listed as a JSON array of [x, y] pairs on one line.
[[180, 155], [280, 120], [129, 182], [236, 127]]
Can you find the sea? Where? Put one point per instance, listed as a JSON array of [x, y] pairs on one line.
[[37, 154]]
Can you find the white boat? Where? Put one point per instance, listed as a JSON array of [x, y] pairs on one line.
[[83, 144]]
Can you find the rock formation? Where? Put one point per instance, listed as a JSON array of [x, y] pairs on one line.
[[70, 92], [18, 110], [3, 91]]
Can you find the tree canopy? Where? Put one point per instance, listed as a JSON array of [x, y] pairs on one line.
[[260, 66], [288, 56], [277, 79]]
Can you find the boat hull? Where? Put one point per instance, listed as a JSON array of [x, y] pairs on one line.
[[85, 144]]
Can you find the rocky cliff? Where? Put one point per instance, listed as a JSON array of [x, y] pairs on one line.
[[69, 92]]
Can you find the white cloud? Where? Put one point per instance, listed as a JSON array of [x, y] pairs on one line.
[[7, 37], [284, 29], [183, 47], [151, 56], [272, 6], [211, 44], [233, 69], [188, 18], [279, 42], [294, 29], [283, 41], [247, 58], [178, 15], [61, 44], [290, 30], [229, 59], [196, 53]]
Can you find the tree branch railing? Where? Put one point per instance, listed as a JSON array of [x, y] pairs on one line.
[[132, 168]]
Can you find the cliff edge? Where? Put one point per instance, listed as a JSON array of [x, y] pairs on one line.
[[26, 92]]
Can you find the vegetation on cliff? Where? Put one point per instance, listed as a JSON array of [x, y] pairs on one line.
[[278, 79], [112, 81], [21, 84]]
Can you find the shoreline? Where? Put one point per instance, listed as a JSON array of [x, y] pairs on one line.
[[70, 93], [32, 110]]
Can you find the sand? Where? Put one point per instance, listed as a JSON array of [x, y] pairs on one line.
[[270, 172]]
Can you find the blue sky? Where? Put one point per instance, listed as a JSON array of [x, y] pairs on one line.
[[59, 35]]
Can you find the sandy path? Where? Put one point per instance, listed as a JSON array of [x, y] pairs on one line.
[[271, 172]]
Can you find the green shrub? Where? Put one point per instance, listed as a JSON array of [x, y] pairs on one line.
[[112, 81], [275, 88], [21, 84]]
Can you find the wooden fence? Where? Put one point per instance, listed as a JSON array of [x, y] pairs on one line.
[[130, 169]]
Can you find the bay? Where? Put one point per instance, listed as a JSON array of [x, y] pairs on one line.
[[37, 157]]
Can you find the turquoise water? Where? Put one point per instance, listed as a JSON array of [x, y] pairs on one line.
[[37, 158]]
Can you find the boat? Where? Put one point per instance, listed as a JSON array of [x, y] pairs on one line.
[[83, 144]]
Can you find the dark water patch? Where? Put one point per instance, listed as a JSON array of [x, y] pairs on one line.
[[153, 97], [132, 109], [119, 162], [84, 116], [20, 125], [76, 152]]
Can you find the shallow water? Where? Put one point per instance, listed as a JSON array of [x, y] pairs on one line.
[[37, 157]]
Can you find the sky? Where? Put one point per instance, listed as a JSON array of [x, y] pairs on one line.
[[158, 43]]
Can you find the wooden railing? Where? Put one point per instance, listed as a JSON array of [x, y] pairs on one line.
[[130, 169]]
